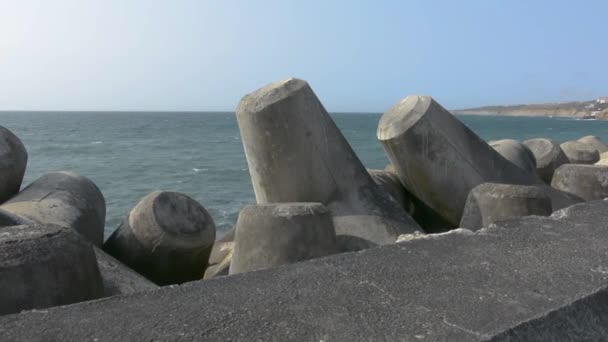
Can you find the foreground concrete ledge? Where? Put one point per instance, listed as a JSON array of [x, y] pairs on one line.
[[524, 279]]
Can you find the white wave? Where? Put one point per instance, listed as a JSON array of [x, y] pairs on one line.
[[199, 170], [97, 142]]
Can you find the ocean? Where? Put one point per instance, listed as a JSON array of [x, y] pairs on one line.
[[129, 154]]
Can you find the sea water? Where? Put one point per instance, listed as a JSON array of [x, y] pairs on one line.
[[129, 154]]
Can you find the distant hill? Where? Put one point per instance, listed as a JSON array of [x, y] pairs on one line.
[[595, 108]]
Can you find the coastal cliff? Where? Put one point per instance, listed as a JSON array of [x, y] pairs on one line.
[[597, 108]]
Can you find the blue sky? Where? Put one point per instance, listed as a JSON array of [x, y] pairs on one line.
[[356, 55]]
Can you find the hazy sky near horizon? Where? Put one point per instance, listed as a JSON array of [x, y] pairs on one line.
[[356, 55]]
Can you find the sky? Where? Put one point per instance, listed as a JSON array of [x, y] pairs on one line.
[[358, 56]]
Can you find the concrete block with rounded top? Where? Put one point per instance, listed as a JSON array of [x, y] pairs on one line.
[[221, 256], [13, 161], [43, 266], [489, 202], [269, 235], [549, 156], [296, 153], [594, 142], [589, 182], [580, 153], [515, 152], [65, 199], [167, 237], [439, 159], [118, 279]]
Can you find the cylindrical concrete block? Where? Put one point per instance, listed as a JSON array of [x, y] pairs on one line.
[[43, 266], [489, 202], [269, 235], [296, 153], [515, 152], [167, 237], [221, 256], [117, 278], [64, 199], [549, 156], [579, 153], [589, 182], [594, 142], [439, 159], [13, 160]]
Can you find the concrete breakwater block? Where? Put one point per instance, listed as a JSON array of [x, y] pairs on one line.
[[589, 182], [580, 153], [65, 199], [490, 202], [167, 237], [527, 279], [389, 181], [439, 159], [13, 161], [548, 155], [595, 143], [515, 152], [296, 153], [43, 266], [269, 235], [221, 256], [119, 279]]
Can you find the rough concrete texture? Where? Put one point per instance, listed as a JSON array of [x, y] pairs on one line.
[[389, 181], [167, 237], [602, 162], [533, 272], [65, 199], [13, 161], [221, 256], [595, 143], [296, 153], [118, 278], [592, 212], [579, 153], [490, 202], [549, 156], [439, 159], [43, 266], [589, 182], [270, 235], [515, 152]]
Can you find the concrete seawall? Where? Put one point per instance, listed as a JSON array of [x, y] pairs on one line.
[[533, 278]]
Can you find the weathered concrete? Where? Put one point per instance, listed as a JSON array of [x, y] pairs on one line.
[[579, 153], [167, 237], [602, 162], [549, 156], [65, 199], [592, 212], [595, 143], [389, 181], [42, 266], [118, 278], [490, 202], [439, 159], [589, 182], [13, 161], [515, 152], [270, 235], [296, 153], [530, 272], [221, 256]]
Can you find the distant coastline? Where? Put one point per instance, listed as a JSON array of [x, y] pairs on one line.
[[594, 109]]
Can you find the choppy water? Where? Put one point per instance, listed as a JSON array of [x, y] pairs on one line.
[[200, 154]]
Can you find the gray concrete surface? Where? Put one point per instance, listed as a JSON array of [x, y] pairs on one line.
[[296, 153], [65, 199], [527, 279], [515, 152], [549, 156], [490, 202], [118, 278], [43, 266], [270, 235], [595, 143], [589, 182], [221, 256], [580, 153], [167, 237], [13, 161]]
